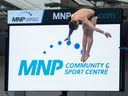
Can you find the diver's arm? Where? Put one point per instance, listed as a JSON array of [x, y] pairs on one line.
[[99, 30], [69, 35], [102, 32]]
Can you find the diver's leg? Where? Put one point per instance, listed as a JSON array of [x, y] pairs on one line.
[[93, 21], [89, 45], [84, 43]]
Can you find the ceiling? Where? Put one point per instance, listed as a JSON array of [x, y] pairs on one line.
[[53, 4], [57, 4], [31, 4]]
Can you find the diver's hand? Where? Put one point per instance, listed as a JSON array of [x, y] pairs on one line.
[[66, 39], [107, 34]]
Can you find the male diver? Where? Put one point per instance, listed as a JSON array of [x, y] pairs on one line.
[[88, 19]]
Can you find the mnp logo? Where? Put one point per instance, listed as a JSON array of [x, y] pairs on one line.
[[18, 19], [22, 16], [38, 66], [25, 16]]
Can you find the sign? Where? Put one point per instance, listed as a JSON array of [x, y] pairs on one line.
[[25, 16], [40, 59]]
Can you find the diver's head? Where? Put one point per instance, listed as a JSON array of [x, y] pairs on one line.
[[73, 25]]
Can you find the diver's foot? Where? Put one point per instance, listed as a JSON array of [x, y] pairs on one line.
[[86, 57], [82, 58]]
